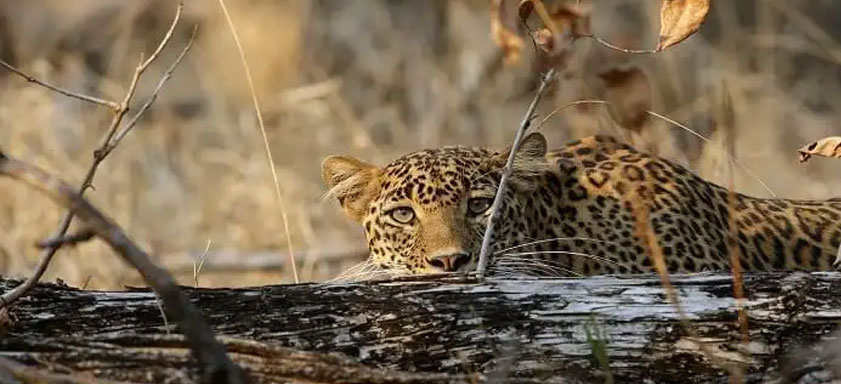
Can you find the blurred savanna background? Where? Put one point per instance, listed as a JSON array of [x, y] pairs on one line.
[[373, 79]]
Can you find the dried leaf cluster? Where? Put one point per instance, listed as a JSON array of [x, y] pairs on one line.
[[561, 22]]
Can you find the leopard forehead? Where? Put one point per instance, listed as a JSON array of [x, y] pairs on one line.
[[433, 177]]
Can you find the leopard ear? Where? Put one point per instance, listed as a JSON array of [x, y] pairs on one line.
[[529, 161], [353, 182], [533, 146]]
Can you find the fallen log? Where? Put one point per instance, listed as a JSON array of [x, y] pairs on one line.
[[444, 329]]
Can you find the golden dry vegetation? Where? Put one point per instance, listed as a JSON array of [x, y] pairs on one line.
[[372, 79]]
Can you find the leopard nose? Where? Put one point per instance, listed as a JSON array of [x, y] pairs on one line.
[[449, 262]]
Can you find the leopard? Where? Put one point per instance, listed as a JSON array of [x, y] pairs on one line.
[[572, 211]]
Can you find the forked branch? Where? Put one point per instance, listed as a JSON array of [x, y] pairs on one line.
[[216, 367], [112, 138]]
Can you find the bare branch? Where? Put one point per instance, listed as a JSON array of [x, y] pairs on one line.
[[58, 242], [620, 49], [90, 99], [215, 364], [145, 107], [99, 156], [138, 72], [671, 121], [506, 173]]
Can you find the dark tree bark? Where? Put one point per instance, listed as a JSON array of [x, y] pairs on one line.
[[447, 329]]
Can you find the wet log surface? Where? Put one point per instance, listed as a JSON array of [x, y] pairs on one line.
[[446, 329]]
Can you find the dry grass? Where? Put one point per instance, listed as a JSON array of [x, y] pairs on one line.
[[372, 79]]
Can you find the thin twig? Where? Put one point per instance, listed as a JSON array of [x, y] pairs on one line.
[[99, 156], [163, 314], [268, 150], [565, 106], [645, 233], [58, 242], [506, 173], [85, 284], [620, 49], [146, 105], [547, 20], [215, 365], [198, 267], [706, 140], [90, 99], [671, 121], [138, 72], [727, 121]]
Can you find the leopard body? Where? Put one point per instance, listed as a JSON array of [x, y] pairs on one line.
[[573, 210]]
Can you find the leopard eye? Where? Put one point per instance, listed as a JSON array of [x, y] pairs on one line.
[[403, 215], [478, 205]]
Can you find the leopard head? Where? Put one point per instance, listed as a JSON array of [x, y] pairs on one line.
[[427, 211]]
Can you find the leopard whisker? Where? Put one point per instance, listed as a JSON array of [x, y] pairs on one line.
[[361, 276], [543, 241], [365, 270], [347, 276], [515, 272], [535, 269], [571, 253], [355, 268], [522, 262]]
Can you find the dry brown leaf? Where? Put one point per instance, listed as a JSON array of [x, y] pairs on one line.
[[544, 40], [562, 24], [508, 40], [827, 147], [572, 17], [679, 19], [628, 94], [524, 9], [575, 18]]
